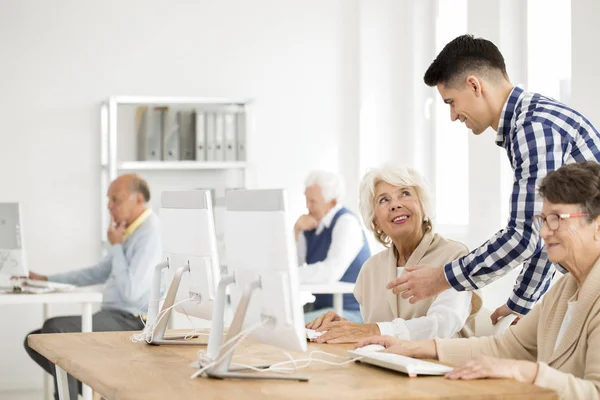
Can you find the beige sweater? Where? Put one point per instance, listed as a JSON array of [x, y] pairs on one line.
[[379, 304], [573, 370]]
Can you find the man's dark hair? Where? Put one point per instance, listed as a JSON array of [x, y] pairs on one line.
[[577, 183], [139, 185], [464, 55]]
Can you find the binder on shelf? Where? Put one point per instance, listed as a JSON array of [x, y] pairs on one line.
[[187, 135], [229, 135], [149, 123], [241, 135], [219, 144], [171, 136], [210, 136], [200, 127]]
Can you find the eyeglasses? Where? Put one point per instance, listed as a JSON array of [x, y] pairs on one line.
[[553, 220]]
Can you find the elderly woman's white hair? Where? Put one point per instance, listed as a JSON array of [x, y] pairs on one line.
[[397, 176], [331, 184]]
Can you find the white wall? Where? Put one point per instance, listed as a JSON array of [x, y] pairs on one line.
[[585, 85], [60, 59]]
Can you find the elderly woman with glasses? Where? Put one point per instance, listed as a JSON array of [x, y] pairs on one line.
[[556, 345], [395, 205]]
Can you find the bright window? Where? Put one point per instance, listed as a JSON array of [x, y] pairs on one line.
[[549, 48], [451, 138]]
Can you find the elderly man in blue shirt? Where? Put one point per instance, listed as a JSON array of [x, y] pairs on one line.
[[126, 270], [331, 243], [539, 135]]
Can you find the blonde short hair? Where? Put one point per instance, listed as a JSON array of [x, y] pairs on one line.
[[398, 176]]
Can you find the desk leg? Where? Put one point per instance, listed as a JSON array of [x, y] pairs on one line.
[[86, 317], [86, 326], [63, 384], [47, 379], [338, 303]]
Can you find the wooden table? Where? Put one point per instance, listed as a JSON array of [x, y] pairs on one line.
[[80, 296], [119, 369]]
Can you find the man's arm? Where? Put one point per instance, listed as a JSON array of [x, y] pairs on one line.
[[133, 276], [533, 281], [446, 316], [93, 275], [346, 243], [537, 150]]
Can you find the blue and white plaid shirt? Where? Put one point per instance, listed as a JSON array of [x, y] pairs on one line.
[[539, 135]]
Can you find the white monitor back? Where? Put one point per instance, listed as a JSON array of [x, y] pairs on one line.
[[12, 249], [259, 246], [188, 237]]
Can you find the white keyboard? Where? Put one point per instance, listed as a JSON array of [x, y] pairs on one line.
[[396, 362], [40, 287], [311, 334]]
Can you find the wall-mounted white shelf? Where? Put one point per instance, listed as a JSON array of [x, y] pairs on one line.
[[228, 174], [178, 165], [161, 100]]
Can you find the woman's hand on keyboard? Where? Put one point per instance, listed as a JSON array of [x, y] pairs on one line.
[[320, 322], [347, 332], [417, 349]]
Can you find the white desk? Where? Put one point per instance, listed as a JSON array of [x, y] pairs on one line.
[[85, 298], [338, 289]]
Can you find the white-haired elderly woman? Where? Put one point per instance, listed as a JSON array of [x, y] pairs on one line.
[[331, 243], [555, 346], [396, 206]]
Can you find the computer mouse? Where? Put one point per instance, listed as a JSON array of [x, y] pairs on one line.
[[370, 348]]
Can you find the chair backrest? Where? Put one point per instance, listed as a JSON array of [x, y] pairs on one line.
[[484, 327]]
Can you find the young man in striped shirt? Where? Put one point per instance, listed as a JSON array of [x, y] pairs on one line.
[[539, 135]]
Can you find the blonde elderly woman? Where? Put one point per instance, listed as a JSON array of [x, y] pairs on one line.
[[395, 205], [556, 345]]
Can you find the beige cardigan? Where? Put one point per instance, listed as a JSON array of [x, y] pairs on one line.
[[379, 304], [573, 370]]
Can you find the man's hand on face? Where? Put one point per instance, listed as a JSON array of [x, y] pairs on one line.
[[305, 223], [116, 231]]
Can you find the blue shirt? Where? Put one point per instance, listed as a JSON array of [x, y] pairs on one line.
[[126, 270], [539, 135]]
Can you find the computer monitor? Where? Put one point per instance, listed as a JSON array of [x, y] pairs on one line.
[[261, 256], [12, 249], [191, 259]]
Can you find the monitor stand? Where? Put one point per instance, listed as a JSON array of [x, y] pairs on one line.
[[159, 327], [223, 369]]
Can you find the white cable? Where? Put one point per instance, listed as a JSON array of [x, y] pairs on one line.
[[277, 367], [141, 336], [196, 331], [161, 315], [144, 305], [239, 338]]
